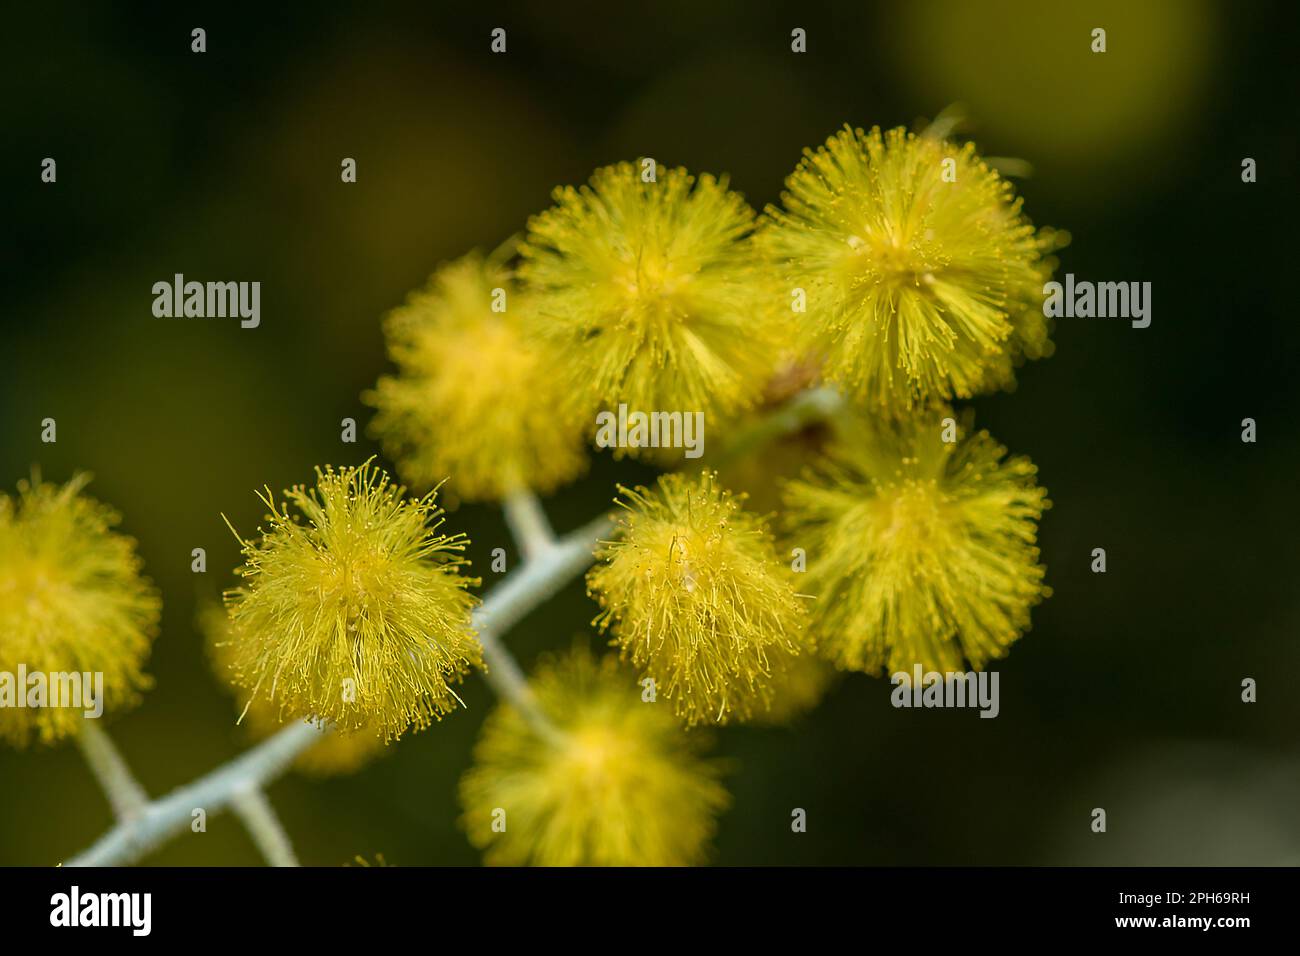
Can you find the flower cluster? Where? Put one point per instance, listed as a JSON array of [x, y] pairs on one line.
[[900, 269]]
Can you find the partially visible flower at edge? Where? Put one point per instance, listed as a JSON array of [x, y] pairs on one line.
[[72, 601]]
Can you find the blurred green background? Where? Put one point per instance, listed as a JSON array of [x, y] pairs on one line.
[[1125, 695]]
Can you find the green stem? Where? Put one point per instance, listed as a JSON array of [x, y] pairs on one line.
[[125, 795], [259, 818], [528, 524]]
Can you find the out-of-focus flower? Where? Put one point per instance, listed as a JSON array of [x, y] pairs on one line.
[[475, 397], [800, 685], [620, 785], [72, 602], [919, 550], [1087, 117], [337, 753], [359, 616], [922, 275], [650, 291], [697, 599]]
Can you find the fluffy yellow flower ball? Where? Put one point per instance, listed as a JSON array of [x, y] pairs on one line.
[[923, 278], [359, 615], [475, 398], [920, 551], [72, 601], [649, 291], [620, 785], [697, 599]]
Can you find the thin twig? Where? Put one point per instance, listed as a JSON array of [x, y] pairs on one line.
[[165, 817], [259, 818], [530, 586], [528, 524], [125, 795]]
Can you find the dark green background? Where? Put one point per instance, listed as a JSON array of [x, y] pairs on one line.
[[1125, 695]]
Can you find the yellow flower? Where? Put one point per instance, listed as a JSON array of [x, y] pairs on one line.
[[72, 600], [923, 277], [802, 683], [475, 398], [919, 550], [697, 598], [338, 752], [621, 785], [358, 617], [649, 290]]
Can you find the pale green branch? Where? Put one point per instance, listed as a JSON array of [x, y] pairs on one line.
[[125, 795], [259, 818], [528, 524]]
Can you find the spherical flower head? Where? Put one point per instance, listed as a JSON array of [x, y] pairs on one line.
[[475, 396], [621, 784], [923, 277], [920, 551], [72, 601], [357, 616], [697, 599], [649, 290], [337, 752]]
